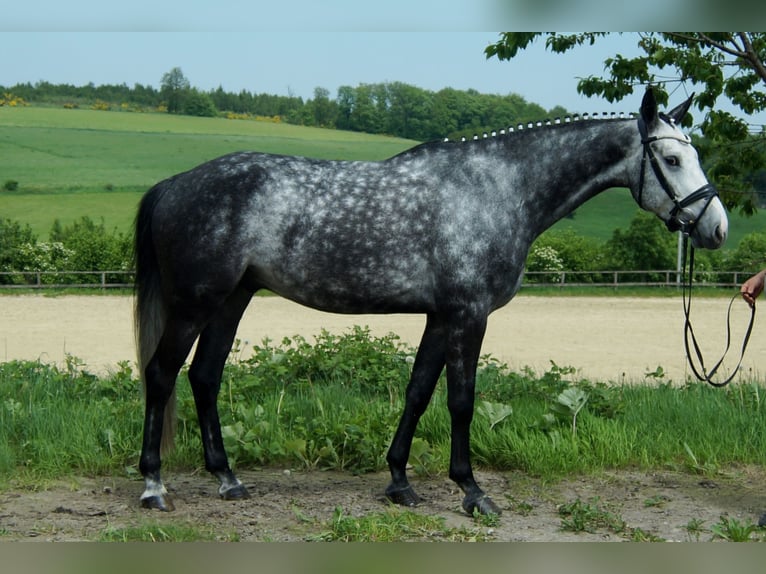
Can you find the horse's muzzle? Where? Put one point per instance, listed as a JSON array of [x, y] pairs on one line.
[[683, 220]]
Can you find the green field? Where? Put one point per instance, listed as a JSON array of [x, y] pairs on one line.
[[71, 163]]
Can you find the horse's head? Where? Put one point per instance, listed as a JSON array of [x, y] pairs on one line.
[[670, 181]]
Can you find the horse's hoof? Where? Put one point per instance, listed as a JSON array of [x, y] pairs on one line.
[[484, 505], [238, 492], [403, 496], [157, 502]]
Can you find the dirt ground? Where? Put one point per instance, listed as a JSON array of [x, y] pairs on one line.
[[297, 506], [610, 339]]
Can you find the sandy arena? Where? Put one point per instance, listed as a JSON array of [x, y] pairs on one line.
[[606, 338]]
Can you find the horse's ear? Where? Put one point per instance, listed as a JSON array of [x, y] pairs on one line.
[[679, 112], [649, 107]]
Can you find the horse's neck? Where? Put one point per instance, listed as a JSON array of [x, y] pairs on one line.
[[566, 166]]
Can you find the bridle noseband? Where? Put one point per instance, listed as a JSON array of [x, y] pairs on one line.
[[707, 192], [676, 222]]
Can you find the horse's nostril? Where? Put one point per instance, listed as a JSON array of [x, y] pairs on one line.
[[720, 234]]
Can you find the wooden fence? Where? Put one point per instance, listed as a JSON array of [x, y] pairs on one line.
[[532, 279], [66, 279]]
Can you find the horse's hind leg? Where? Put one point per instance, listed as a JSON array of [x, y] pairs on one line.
[[160, 376], [429, 363], [205, 376]]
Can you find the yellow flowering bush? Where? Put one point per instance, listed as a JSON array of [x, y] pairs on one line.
[[10, 100]]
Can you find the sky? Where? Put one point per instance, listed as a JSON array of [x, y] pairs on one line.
[[290, 47], [285, 63]]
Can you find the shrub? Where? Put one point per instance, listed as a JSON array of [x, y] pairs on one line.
[[11, 185], [566, 251], [545, 258], [44, 256], [11, 100], [92, 247], [13, 237], [749, 255], [199, 104], [100, 106], [644, 245]]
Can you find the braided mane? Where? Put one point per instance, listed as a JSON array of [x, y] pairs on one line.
[[545, 123]]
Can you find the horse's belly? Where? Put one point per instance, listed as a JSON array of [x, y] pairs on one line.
[[354, 294]]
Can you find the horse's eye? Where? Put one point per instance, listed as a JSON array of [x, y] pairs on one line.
[[672, 160]]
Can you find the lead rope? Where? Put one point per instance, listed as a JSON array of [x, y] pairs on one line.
[[702, 373]]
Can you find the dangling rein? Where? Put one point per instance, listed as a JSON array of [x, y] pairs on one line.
[[700, 371]]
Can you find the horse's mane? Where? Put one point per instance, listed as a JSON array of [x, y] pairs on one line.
[[568, 119], [512, 131]]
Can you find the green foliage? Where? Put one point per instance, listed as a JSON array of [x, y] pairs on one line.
[[749, 255], [42, 256], [495, 413], [90, 247], [576, 252], [731, 529], [579, 516], [565, 250], [644, 245], [394, 525], [54, 421], [392, 108], [336, 404], [314, 401], [166, 532], [15, 238], [727, 528], [569, 404], [174, 88], [545, 258], [199, 104]]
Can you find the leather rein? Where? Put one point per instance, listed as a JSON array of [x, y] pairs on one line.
[[700, 371], [677, 222]]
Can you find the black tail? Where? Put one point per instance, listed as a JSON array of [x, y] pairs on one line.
[[150, 311]]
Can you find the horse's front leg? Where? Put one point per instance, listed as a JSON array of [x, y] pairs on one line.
[[429, 364], [463, 348]]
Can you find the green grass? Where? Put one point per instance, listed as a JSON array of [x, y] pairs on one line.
[[117, 209], [167, 532], [70, 163], [334, 404], [394, 525]]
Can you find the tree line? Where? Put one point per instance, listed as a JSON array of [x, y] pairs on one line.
[[391, 108]]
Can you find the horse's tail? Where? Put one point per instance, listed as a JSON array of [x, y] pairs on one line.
[[150, 311]]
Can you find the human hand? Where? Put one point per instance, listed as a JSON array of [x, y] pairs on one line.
[[753, 287]]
